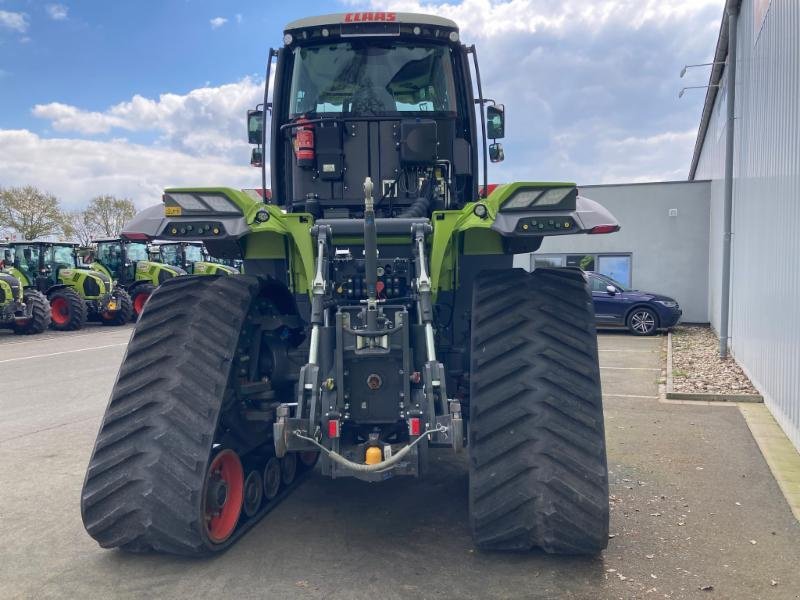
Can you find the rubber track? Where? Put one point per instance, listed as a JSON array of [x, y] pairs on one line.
[[538, 472], [145, 478]]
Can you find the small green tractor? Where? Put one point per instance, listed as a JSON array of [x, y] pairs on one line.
[[76, 294], [379, 315], [193, 258], [127, 263], [24, 311]]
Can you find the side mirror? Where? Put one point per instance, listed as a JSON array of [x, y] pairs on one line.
[[255, 126], [496, 153], [495, 121], [611, 289], [256, 157]]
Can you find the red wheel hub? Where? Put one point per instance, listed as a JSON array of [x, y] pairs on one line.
[[59, 311], [224, 492], [138, 302]]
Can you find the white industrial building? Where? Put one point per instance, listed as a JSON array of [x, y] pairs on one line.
[[764, 313], [673, 234]]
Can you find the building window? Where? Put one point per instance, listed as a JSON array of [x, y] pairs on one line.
[[585, 262], [548, 261], [616, 266]]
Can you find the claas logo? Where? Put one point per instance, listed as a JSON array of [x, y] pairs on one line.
[[370, 17]]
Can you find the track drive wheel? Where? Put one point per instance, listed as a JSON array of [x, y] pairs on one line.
[[537, 457], [67, 310], [124, 310], [38, 310], [139, 297], [157, 479]]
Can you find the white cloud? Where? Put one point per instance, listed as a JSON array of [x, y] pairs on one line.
[[15, 21], [238, 18], [57, 12], [76, 170], [218, 22], [487, 18], [206, 121]]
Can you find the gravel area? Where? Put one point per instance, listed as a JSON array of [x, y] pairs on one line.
[[697, 367]]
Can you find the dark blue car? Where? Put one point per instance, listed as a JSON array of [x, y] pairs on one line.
[[642, 313]]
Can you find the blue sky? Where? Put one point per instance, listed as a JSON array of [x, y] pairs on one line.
[[129, 97]]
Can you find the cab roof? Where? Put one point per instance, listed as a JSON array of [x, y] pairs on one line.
[[371, 17]]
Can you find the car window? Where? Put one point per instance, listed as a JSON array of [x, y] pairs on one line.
[[598, 285]]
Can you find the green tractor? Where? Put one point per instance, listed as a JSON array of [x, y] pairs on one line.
[[127, 263], [192, 257], [76, 294], [24, 311], [380, 315]]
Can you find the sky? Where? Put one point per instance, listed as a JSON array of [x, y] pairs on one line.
[[128, 98]]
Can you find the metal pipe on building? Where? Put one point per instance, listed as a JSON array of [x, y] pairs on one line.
[[727, 210]]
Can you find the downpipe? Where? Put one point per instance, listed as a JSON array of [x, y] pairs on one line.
[[727, 210]]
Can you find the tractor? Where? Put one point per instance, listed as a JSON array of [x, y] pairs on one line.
[[127, 263], [24, 311], [192, 257], [76, 294], [379, 316]]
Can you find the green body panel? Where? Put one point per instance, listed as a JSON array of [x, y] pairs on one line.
[[9, 298], [76, 279], [14, 272], [101, 268], [210, 268], [148, 271], [287, 236]]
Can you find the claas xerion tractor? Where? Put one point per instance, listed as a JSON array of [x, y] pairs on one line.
[[127, 263], [379, 317], [24, 311], [76, 294]]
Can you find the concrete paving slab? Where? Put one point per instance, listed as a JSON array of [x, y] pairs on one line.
[[690, 491]]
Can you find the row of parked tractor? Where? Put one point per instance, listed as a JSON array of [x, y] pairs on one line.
[[61, 285]]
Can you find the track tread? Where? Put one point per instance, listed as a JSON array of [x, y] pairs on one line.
[[144, 483], [538, 471]]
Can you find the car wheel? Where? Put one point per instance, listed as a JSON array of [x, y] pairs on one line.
[[642, 321]]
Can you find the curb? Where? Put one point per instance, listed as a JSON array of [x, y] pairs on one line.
[[700, 397]]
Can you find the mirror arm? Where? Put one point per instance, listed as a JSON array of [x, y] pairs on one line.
[[272, 53], [471, 50]]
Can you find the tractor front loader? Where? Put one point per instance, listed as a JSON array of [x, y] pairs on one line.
[[127, 263], [75, 294], [379, 316]]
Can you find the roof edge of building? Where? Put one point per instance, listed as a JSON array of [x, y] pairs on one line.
[[720, 55]]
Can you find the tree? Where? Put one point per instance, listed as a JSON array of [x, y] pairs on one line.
[[30, 212], [106, 215], [77, 227]]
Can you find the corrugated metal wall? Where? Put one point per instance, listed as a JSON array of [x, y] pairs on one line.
[[765, 276]]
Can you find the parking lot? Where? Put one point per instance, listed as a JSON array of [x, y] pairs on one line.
[[695, 510]]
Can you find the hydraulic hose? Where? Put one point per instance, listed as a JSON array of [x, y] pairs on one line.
[[374, 468], [419, 208]]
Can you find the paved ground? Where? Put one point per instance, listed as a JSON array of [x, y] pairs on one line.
[[693, 505]]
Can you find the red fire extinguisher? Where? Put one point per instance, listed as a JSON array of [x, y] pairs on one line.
[[304, 143]]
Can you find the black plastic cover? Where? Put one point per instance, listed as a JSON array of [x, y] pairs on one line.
[[418, 142]]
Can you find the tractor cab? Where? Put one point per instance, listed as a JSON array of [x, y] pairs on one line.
[[119, 258], [390, 99], [193, 258]]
